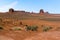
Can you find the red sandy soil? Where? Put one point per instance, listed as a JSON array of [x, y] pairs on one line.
[[41, 22], [46, 36], [32, 19], [37, 36], [29, 35]]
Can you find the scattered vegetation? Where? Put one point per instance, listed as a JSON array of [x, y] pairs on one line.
[[1, 27], [46, 28], [26, 25], [16, 28], [32, 28]]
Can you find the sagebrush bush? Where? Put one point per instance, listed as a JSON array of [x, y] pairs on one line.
[[28, 28], [16, 28], [46, 28], [32, 28]]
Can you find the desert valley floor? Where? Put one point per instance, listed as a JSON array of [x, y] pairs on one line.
[[25, 26]]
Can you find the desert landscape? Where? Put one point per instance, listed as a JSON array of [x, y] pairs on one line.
[[22, 25]]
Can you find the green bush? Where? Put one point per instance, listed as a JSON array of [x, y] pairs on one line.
[[32, 28], [46, 28], [28, 28]]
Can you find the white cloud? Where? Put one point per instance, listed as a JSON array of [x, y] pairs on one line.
[[5, 8]]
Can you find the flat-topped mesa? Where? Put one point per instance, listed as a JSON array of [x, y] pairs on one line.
[[11, 10], [41, 12]]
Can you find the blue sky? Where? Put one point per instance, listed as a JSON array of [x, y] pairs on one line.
[[52, 6]]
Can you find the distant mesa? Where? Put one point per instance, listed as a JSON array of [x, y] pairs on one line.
[[41, 12], [11, 10], [18, 12], [46, 12]]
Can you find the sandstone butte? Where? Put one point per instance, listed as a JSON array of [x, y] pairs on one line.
[[15, 18]]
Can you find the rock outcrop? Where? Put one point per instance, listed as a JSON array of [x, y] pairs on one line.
[[41, 12], [11, 10]]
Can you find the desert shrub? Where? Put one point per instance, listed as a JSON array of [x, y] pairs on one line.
[[42, 25], [16, 28], [1, 28], [26, 25], [32, 28], [21, 23], [47, 28], [28, 28]]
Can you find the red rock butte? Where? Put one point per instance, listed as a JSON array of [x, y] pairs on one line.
[[41, 12]]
